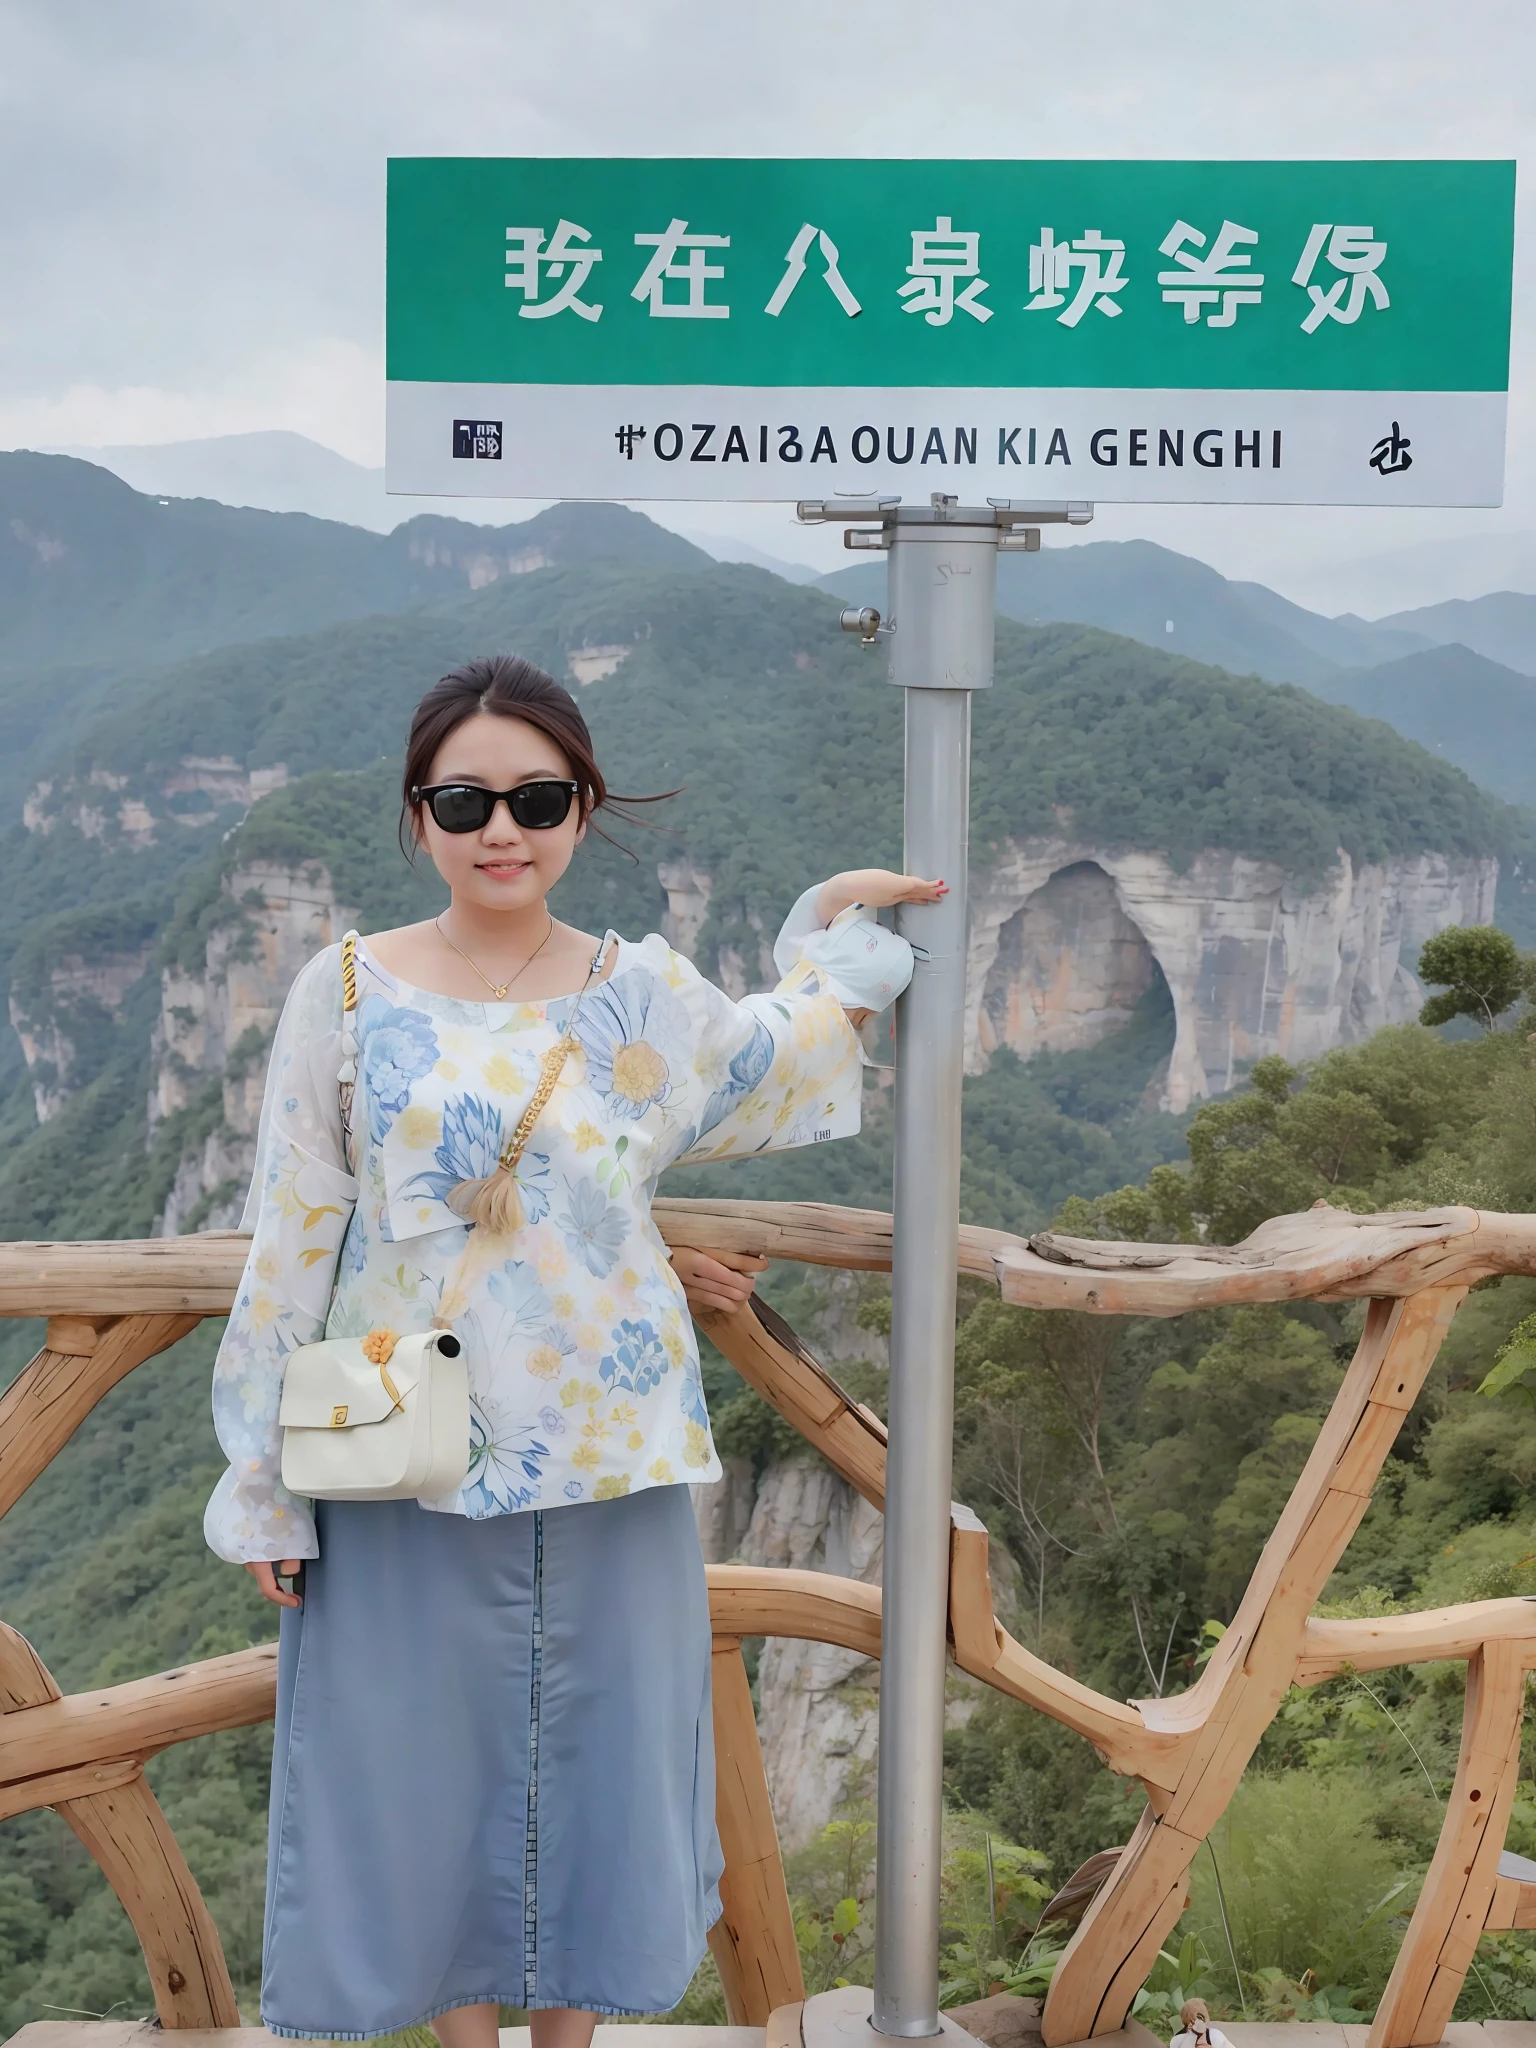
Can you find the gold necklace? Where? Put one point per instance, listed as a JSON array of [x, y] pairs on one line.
[[497, 989]]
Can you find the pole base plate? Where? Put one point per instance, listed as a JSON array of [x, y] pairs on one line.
[[845, 2019]]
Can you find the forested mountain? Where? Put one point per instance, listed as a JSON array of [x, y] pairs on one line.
[[93, 572], [1455, 677], [1501, 626], [176, 796], [1458, 704]]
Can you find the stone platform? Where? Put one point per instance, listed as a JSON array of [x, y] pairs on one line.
[[1242, 2034]]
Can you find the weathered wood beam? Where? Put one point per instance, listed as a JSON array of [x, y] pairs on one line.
[[1226, 1712], [753, 1941], [1436, 1635], [131, 1840], [816, 1233], [25, 1680], [140, 1718], [985, 1649], [1459, 1890], [49, 1399], [130, 1276], [815, 1607], [1321, 1254], [199, 1274], [118, 1818], [773, 1361]]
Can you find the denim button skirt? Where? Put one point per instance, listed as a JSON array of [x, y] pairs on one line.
[[493, 1778]]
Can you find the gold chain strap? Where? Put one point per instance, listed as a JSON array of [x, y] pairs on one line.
[[549, 1075], [348, 1076]]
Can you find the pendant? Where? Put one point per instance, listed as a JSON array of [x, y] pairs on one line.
[[500, 993]]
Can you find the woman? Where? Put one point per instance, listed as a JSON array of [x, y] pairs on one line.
[[493, 1775]]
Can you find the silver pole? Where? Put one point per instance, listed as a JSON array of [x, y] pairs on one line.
[[943, 584], [943, 589]]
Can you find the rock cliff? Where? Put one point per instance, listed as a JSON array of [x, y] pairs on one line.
[[1065, 936], [216, 1022], [819, 1706], [79, 997]]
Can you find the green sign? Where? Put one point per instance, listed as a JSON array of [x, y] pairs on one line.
[[1338, 332]]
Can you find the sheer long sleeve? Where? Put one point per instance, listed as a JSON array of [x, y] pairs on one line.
[[785, 1069], [299, 1208]]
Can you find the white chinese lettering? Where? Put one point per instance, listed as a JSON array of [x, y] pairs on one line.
[[1097, 261], [940, 260], [1357, 256], [696, 273], [794, 270], [1222, 275], [529, 253]]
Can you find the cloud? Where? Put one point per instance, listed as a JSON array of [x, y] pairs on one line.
[[332, 391], [193, 239]]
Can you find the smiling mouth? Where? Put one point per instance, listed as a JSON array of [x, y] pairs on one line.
[[503, 867]]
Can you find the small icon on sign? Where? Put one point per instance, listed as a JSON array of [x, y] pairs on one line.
[[1390, 455], [477, 440], [626, 438]]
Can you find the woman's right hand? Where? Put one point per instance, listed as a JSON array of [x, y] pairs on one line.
[[265, 1575], [717, 1281]]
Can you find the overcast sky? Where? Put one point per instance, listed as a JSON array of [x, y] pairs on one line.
[[191, 237]]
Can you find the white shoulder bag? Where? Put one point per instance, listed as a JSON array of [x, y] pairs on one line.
[[386, 1417]]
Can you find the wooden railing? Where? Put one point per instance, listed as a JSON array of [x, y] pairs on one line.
[[112, 1305]]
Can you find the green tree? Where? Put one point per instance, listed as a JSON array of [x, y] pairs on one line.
[[1479, 970]]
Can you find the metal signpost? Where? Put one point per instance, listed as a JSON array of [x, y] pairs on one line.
[[943, 589], [926, 342]]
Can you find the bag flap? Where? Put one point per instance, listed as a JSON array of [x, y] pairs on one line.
[[331, 1385]]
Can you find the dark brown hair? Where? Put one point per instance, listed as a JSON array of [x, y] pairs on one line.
[[508, 686]]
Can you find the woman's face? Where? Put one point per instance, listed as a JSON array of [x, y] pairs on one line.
[[501, 867]]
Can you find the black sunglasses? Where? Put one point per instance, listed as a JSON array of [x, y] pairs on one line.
[[467, 807]]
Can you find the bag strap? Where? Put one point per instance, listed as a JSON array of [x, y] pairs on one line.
[[550, 1068], [347, 1075]]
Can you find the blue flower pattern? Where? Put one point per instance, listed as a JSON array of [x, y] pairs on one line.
[[745, 1072], [582, 1359], [398, 1047], [505, 1466], [638, 1358], [594, 1228], [467, 1150]]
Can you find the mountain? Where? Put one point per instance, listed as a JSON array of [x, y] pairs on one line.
[[723, 547], [1468, 707], [1469, 553], [273, 472], [1211, 796], [1501, 626], [285, 472], [94, 572], [97, 579], [1458, 705], [1172, 601]]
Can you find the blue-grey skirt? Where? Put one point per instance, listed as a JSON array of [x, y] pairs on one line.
[[493, 1779]]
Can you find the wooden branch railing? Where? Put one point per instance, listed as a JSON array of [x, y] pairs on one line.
[[114, 1304]]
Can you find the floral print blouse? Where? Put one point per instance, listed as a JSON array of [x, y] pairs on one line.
[[583, 1365]]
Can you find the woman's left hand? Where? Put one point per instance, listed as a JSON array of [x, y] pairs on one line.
[[717, 1281], [876, 887]]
